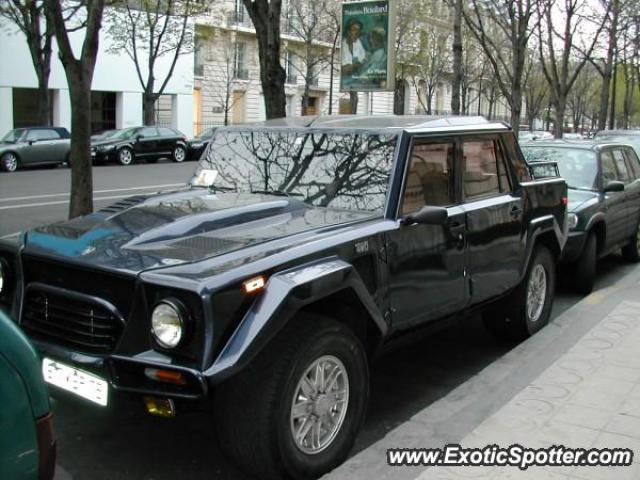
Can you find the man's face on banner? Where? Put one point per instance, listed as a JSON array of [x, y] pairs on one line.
[[354, 32]]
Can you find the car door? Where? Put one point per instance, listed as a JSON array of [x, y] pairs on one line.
[[494, 218], [168, 140], [147, 142], [426, 262], [614, 202], [40, 148]]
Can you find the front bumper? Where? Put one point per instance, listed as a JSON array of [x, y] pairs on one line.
[[126, 374], [99, 156], [574, 247]]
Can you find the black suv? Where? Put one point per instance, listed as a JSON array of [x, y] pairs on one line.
[[299, 253], [140, 143], [604, 202]]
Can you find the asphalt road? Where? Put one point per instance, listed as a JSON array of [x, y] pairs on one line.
[[97, 443]]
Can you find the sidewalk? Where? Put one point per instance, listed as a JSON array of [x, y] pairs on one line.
[[576, 383]]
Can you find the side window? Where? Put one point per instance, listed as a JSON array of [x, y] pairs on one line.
[[148, 132], [623, 173], [42, 134], [485, 172], [632, 162], [521, 169], [609, 172], [166, 132], [430, 179]]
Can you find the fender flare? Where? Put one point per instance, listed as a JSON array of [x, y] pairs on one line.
[[284, 295], [540, 226]]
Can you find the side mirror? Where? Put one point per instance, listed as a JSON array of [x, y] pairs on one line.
[[138, 137], [427, 216], [614, 186]]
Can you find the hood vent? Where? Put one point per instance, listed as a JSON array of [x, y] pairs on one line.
[[123, 204]]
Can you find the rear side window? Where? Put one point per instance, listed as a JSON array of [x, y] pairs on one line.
[[167, 132], [623, 173], [520, 167], [430, 180], [43, 134], [149, 132], [485, 172]]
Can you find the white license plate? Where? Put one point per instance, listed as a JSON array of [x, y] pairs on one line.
[[76, 381]]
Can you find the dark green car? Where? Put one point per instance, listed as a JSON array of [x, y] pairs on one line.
[[33, 146], [604, 201], [27, 445]]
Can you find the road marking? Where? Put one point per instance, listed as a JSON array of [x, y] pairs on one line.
[[13, 199], [58, 202]]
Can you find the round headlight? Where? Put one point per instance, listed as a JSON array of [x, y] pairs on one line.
[[167, 323]]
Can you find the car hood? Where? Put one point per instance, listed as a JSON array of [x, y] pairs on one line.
[[581, 198], [145, 232]]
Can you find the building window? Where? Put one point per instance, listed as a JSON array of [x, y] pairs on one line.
[[199, 56], [240, 16], [290, 67], [240, 70]]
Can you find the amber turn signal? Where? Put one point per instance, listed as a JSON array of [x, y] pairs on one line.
[[160, 407], [253, 285]]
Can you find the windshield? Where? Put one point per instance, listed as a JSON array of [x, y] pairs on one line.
[[205, 135], [327, 169], [124, 133], [579, 167], [14, 135]]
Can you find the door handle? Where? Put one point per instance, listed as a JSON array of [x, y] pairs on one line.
[[456, 228], [516, 211]]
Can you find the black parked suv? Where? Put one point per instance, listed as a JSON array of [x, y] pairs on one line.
[[604, 202], [299, 253], [140, 143]]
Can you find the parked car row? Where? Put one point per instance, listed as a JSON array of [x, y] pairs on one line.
[[34, 146]]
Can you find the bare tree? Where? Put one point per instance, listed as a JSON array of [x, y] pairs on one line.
[[561, 56], [535, 91], [311, 23], [457, 57], [265, 15], [582, 96], [147, 31], [503, 30], [432, 59], [84, 16], [29, 17]]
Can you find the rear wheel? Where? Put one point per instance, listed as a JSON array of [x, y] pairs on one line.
[[584, 273], [125, 156], [299, 404], [528, 308], [179, 154], [9, 162], [631, 251]]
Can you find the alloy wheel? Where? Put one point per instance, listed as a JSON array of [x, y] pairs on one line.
[[536, 292], [10, 162]]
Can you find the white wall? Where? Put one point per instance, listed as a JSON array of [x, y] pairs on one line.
[[114, 72]]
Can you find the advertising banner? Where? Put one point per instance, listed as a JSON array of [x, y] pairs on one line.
[[368, 46]]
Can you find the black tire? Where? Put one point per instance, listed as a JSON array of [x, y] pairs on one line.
[[125, 157], [9, 162], [583, 274], [179, 154], [631, 251], [510, 318], [253, 409]]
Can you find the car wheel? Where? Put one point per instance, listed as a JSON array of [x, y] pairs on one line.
[[528, 308], [125, 156], [9, 162], [631, 251], [179, 154], [300, 403], [584, 273]]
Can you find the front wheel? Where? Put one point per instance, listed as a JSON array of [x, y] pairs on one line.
[[584, 273], [300, 403], [9, 162], [528, 308], [125, 156], [179, 154], [631, 251]]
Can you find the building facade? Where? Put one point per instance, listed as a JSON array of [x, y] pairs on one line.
[[116, 90]]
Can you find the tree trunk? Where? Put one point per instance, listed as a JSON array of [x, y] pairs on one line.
[[606, 73], [149, 107], [457, 58], [558, 127], [612, 110], [44, 103], [516, 109], [81, 201]]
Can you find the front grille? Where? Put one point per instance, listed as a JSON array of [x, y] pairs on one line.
[[83, 325]]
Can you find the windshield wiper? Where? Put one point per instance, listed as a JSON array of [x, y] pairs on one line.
[[279, 193]]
